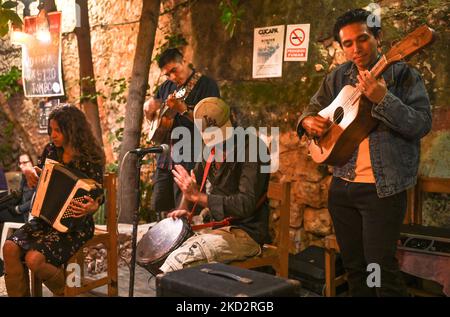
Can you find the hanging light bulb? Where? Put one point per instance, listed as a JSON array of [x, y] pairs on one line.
[[42, 28]]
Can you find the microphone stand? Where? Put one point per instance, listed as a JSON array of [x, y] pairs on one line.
[[135, 224]]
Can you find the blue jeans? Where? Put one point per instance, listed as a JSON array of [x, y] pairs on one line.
[[367, 230]]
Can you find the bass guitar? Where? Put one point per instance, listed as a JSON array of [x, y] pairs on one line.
[[350, 115]]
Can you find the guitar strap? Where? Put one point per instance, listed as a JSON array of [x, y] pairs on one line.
[[190, 84]]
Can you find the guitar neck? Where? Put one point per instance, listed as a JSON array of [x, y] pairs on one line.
[[379, 67], [412, 43]]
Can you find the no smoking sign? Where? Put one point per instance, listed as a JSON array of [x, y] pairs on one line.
[[297, 42], [297, 37]]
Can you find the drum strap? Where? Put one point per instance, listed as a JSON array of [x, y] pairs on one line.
[[205, 175]]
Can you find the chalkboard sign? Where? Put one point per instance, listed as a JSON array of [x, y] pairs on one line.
[[41, 56]]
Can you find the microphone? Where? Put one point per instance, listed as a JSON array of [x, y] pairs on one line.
[[163, 148]]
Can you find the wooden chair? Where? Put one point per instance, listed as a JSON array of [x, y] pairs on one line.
[[410, 215], [276, 256], [414, 215], [427, 185], [106, 237], [331, 280]]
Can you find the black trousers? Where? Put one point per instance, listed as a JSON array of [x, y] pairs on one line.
[[367, 230], [166, 195]]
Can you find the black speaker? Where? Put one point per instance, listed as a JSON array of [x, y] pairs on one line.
[[220, 280], [308, 267], [425, 239]]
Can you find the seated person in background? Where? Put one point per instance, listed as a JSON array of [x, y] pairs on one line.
[[20, 212], [43, 248], [233, 189]]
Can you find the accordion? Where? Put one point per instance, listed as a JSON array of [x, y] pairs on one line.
[[58, 186]]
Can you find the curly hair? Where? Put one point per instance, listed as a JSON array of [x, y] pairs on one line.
[[77, 132], [354, 16]]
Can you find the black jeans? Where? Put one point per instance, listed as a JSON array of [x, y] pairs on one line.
[[166, 195], [367, 230]]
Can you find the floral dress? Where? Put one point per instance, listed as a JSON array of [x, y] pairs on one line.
[[58, 247]]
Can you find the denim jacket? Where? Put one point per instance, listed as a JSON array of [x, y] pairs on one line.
[[404, 115]]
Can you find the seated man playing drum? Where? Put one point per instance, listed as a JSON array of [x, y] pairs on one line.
[[234, 186]]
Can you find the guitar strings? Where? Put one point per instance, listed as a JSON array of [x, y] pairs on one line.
[[345, 107]]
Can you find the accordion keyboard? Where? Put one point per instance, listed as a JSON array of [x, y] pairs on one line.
[[70, 211]]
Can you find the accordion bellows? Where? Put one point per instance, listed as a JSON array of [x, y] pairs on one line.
[[58, 186]]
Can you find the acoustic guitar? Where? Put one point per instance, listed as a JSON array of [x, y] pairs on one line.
[[163, 119], [350, 115]]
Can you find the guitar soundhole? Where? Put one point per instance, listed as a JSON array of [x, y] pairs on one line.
[[338, 115]]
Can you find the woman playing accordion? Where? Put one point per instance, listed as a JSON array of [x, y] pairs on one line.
[[44, 249]]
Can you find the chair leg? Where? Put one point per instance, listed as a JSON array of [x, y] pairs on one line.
[[330, 274], [78, 259], [283, 267], [36, 286], [113, 289]]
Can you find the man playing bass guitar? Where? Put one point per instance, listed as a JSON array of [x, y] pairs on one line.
[[367, 196], [166, 194]]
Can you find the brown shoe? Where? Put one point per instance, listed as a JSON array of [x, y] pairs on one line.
[[18, 286], [56, 283]]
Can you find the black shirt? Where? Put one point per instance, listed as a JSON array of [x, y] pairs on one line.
[[205, 87]]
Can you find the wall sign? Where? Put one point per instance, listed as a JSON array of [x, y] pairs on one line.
[[41, 56], [297, 42], [268, 51]]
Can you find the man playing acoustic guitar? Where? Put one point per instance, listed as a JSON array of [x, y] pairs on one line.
[[367, 196], [166, 194]]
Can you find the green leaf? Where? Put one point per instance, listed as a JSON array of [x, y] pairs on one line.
[[3, 30], [3, 18], [9, 4], [226, 17], [11, 15], [231, 15]]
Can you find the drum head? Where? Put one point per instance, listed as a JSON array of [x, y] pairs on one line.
[[161, 240]]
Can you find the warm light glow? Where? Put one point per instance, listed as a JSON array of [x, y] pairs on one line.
[[21, 38], [43, 36], [42, 28]]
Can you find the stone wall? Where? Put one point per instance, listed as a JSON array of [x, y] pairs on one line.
[[263, 102]]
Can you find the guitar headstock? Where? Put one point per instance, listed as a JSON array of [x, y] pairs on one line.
[[413, 42]]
